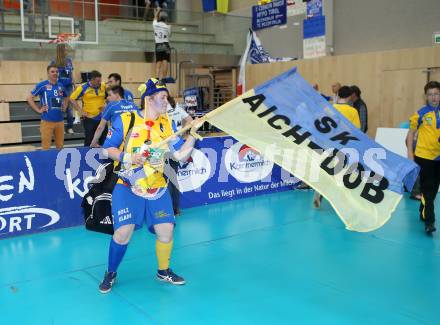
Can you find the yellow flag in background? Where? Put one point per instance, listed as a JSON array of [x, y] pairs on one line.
[[222, 6]]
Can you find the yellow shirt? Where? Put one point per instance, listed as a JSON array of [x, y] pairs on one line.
[[427, 121], [93, 99], [160, 130], [350, 113]]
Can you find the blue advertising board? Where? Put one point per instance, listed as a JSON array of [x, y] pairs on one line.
[[314, 27], [268, 15], [43, 190]]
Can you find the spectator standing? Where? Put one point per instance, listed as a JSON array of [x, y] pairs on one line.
[[162, 32], [350, 113], [92, 94], [114, 79], [360, 106], [53, 103], [426, 122], [343, 106], [115, 107]]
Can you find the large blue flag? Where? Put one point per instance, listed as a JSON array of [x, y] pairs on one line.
[[287, 121]]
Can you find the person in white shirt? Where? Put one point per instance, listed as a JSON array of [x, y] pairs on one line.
[[179, 118], [178, 114], [162, 32]]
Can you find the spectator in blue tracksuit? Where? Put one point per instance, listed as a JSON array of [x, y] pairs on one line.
[[115, 107], [53, 103]]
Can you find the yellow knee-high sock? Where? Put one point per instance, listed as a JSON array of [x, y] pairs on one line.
[[163, 253]]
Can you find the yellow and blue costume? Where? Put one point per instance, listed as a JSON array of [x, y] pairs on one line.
[[141, 194], [427, 122]]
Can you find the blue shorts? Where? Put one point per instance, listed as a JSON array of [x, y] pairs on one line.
[[131, 209]]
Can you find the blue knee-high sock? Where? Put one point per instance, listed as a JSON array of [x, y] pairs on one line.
[[115, 255]]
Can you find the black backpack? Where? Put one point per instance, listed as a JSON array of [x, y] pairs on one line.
[[97, 203]]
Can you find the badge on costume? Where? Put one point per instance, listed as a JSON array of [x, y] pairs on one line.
[[428, 120]]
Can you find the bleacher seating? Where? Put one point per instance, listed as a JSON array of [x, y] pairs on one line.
[[130, 35]]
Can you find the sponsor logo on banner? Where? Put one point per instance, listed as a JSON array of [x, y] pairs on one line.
[[26, 218], [194, 172], [246, 164]]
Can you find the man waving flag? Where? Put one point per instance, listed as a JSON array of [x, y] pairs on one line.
[[290, 123]]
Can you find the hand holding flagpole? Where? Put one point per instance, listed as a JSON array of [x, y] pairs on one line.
[[193, 127]]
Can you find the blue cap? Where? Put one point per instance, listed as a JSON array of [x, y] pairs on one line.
[[151, 87]]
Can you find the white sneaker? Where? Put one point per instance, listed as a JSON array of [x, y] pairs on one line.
[[169, 276], [70, 131]]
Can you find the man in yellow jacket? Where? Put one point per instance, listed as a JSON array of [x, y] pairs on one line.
[[92, 94], [426, 122]]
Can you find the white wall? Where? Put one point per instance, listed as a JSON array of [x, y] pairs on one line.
[[189, 5], [356, 26], [375, 25]]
